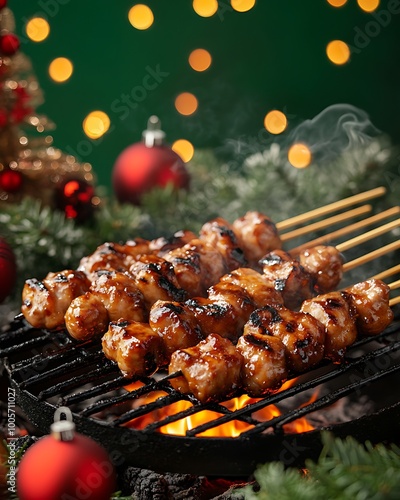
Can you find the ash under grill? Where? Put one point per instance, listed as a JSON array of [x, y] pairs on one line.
[[49, 369]]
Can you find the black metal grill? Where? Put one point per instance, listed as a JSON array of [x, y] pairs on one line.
[[49, 369]]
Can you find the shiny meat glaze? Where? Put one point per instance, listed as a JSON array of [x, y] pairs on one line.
[[257, 235], [209, 370], [197, 266], [301, 334], [289, 277], [325, 264], [371, 300], [156, 280], [175, 324], [264, 366], [335, 311], [219, 234], [113, 257], [114, 294], [44, 303], [144, 358]]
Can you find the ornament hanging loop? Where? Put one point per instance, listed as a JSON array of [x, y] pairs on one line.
[[63, 429], [153, 135]]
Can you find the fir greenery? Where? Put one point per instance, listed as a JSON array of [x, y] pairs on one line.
[[345, 470]]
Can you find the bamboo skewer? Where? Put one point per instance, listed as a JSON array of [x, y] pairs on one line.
[[347, 229], [370, 256], [394, 301], [387, 273], [362, 238], [326, 222], [331, 207], [394, 285]]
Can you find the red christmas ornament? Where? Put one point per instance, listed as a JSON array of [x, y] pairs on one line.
[[9, 44], [65, 465], [145, 165], [11, 181], [8, 269], [3, 3], [74, 198]]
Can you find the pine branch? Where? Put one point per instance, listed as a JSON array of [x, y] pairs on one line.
[[345, 469]]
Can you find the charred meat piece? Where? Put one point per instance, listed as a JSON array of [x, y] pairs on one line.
[[288, 277], [134, 346], [325, 264], [371, 301], [197, 266], [219, 234], [210, 369], [44, 303], [257, 235], [175, 323], [155, 278], [264, 367], [261, 291], [113, 257], [114, 294], [336, 312], [302, 335]]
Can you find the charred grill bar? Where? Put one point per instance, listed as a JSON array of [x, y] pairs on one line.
[[48, 369]]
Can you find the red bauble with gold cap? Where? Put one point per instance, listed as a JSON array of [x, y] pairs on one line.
[[146, 165]]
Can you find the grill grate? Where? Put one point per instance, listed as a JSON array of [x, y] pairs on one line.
[[49, 369]]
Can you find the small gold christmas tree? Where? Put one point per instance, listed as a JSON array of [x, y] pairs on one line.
[[29, 164]]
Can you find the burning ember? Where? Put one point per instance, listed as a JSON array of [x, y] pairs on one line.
[[178, 424]]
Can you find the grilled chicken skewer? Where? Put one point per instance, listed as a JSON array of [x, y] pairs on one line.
[[183, 324], [277, 342], [197, 263]]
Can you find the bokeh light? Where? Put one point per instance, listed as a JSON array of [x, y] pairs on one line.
[[338, 52], [242, 5], [186, 103], [275, 122], [205, 8], [61, 69], [141, 17], [184, 149], [200, 59], [37, 29], [299, 155], [337, 3], [368, 5], [96, 124]]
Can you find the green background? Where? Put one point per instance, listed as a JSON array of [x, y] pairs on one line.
[[272, 57]]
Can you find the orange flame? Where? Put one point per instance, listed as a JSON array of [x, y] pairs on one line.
[[233, 428]]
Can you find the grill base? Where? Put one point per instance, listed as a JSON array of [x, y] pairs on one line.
[[40, 388]]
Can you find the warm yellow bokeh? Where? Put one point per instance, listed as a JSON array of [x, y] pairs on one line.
[[96, 124], [242, 5], [184, 149], [186, 103], [141, 17], [337, 3], [299, 155], [275, 122], [368, 5], [37, 29], [200, 59], [61, 69], [205, 8], [338, 52]]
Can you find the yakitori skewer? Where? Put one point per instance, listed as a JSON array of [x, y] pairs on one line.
[[176, 325], [56, 292], [343, 231], [331, 207], [330, 221], [363, 259]]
